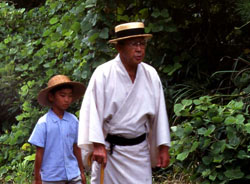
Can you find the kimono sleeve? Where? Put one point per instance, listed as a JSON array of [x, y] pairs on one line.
[[161, 121], [91, 113], [159, 132]]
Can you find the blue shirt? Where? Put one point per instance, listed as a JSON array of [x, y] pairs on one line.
[[57, 137]]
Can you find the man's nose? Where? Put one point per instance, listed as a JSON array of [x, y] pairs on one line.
[[138, 47]]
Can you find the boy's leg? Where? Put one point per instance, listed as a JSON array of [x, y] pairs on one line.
[[77, 180]]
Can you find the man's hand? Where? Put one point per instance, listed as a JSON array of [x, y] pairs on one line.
[[100, 154], [163, 157]]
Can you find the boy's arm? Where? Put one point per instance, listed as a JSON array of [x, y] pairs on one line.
[[78, 154], [38, 164]]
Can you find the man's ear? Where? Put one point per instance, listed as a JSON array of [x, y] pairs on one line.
[[118, 47]]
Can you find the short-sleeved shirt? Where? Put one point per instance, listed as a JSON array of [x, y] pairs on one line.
[[57, 137]]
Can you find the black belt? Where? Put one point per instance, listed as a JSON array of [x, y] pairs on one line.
[[121, 141]]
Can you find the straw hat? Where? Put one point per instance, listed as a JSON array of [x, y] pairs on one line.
[[129, 30], [58, 80]]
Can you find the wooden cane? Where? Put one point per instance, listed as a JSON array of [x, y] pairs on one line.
[[102, 169]]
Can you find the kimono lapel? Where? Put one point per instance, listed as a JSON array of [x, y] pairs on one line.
[[131, 99]]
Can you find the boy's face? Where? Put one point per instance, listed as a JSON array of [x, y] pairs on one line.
[[62, 99]]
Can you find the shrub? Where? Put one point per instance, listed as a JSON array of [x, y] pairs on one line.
[[212, 142]]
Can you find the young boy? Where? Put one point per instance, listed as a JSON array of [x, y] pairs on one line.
[[58, 159]]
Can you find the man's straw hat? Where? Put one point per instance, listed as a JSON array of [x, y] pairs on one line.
[[58, 80], [129, 30]]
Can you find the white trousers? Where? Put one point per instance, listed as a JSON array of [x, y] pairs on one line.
[[127, 165]]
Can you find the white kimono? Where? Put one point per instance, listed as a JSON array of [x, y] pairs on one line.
[[113, 104]]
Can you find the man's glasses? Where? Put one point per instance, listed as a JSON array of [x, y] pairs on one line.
[[141, 44]]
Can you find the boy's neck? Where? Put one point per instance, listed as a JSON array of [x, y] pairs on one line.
[[58, 112]]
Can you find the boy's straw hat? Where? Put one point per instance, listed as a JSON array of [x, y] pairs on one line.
[[58, 80], [129, 30]]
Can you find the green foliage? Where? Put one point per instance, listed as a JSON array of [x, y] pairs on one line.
[[193, 48], [243, 9], [212, 142]]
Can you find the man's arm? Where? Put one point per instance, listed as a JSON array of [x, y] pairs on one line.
[[163, 156], [38, 164], [78, 154]]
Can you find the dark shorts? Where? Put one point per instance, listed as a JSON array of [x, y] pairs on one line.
[[77, 180]]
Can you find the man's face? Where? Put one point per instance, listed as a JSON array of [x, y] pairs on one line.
[[132, 52]]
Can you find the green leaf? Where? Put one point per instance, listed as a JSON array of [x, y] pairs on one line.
[[104, 34], [156, 13], [174, 128], [123, 18], [170, 69], [7, 40], [179, 132], [30, 157], [47, 32], [218, 147], [182, 156], [235, 105], [218, 158], [240, 119], [234, 141], [164, 13], [90, 3], [234, 173], [194, 146], [144, 12], [213, 176], [243, 155], [247, 128], [93, 37], [76, 26], [207, 160], [178, 108], [217, 119], [186, 102], [53, 20], [25, 146], [68, 33], [210, 130], [206, 173], [8, 178], [197, 102], [230, 120], [188, 129], [202, 131]]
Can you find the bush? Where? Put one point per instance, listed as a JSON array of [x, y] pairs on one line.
[[70, 37], [212, 141]]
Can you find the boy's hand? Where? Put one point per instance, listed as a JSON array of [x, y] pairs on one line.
[[83, 178], [37, 182]]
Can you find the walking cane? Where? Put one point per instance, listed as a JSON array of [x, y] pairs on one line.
[[102, 169]]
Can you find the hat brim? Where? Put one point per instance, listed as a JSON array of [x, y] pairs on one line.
[[114, 41], [78, 91]]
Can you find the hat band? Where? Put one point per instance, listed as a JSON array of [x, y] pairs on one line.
[[130, 32]]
